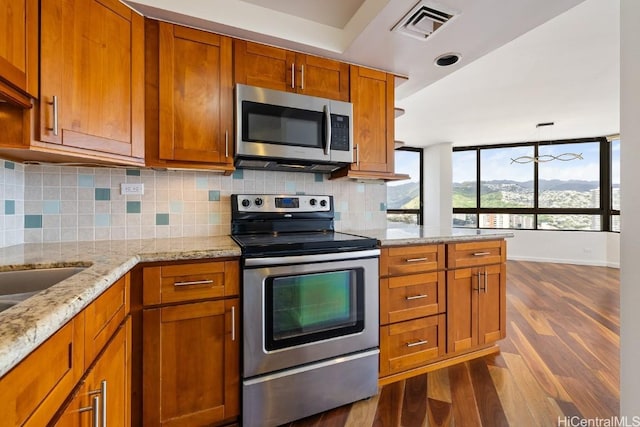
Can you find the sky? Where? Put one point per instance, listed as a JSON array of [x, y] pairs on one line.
[[497, 164]]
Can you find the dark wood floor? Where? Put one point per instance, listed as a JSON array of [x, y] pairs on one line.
[[560, 359]]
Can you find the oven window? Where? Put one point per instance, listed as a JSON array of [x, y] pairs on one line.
[[312, 307]]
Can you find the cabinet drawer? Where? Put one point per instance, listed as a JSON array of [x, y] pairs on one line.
[[31, 394], [411, 344], [412, 296], [188, 282], [411, 259], [104, 316], [471, 254]]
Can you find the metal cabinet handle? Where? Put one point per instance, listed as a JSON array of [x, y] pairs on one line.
[[54, 103], [103, 392], [226, 143], [478, 282], [417, 343], [416, 259], [481, 253], [416, 297], [486, 281], [233, 323], [302, 77], [293, 76], [357, 148], [195, 282], [95, 403]]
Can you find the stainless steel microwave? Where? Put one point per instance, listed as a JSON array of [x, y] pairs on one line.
[[278, 130]]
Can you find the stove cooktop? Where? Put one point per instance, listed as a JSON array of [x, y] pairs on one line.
[[301, 243]]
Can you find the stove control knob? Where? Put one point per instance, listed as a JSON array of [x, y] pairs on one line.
[[246, 203], [313, 202], [323, 203], [258, 201]]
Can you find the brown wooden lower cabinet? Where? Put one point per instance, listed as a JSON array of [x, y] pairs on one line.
[[476, 306], [191, 357], [435, 313], [103, 394]]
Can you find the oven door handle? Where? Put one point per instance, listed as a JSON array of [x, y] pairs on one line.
[[304, 259]]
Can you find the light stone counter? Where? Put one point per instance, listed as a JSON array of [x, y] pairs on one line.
[[420, 235], [26, 325]]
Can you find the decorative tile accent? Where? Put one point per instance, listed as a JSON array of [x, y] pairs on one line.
[[383, 207], [133, 172], [162, 219], [86, 181], [133, 207], [202, 182], [238, 174], [318, 177], [103, 194], [51, 207], [33, 221], [9, 207], [176, 206], [103, 220], [214, 195], [9, 165]]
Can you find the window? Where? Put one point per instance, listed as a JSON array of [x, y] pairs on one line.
[[614, 224], [553, 185], [404, 198]]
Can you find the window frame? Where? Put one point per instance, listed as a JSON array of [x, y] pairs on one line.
[[420, 211], [605, 210]]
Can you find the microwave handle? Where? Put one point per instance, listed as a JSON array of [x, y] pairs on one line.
[[327, 121]]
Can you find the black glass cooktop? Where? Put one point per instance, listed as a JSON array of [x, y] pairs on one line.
[[301, 243]]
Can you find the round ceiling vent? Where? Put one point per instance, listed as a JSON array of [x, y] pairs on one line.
[[447, 59]]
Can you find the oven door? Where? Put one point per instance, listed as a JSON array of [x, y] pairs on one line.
[[308, 308]]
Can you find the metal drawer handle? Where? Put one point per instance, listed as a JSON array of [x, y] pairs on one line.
[[54, 104], [414, 344], [417, 297], [416, 259], [302, 77], [481, 253], [293, 76], [195, 282], [103, 391]]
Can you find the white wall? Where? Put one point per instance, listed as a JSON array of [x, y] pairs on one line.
[[568, 247], [437, 185], [630, 208]]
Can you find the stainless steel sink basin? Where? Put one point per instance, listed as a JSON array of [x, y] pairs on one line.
[[18, 285]]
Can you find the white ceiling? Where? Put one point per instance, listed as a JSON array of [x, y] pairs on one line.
[[523, 61]]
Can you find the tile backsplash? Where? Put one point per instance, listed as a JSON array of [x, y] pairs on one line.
[[50, 203]]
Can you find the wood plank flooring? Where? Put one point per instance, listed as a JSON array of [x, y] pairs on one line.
[[560, 359]]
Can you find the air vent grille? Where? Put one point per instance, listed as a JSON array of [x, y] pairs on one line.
[[423, 20]]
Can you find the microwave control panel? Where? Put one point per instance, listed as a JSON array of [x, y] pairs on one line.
[[339, 132]]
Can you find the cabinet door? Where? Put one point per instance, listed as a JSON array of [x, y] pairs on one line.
[[19, 47], [196, 104], [462, 308], [92, 76], [492, 304], [191, 368], [264, 66], [104, 393], [372, 97], [476, 306], [322, 77]]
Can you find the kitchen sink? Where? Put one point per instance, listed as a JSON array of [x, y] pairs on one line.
[[18, 285]]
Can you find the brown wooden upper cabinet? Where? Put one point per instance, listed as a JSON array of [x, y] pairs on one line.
[[280, 69], [92, 79], [189, 98], [19, 51], [372, 95]]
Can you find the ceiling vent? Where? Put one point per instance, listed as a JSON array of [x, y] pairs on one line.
[[423, 20]]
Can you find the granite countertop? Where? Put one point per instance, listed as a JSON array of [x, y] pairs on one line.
[[415, 235], [26, 325]]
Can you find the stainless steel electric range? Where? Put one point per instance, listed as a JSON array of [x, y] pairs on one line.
[[310, 308]]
